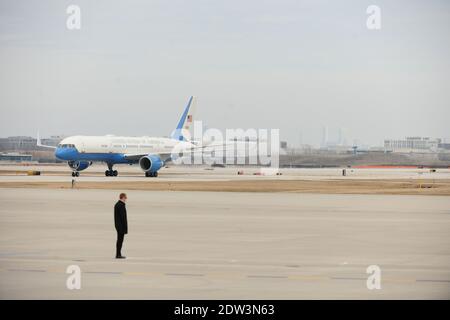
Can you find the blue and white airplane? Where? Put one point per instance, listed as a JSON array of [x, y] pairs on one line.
[[150, 152]]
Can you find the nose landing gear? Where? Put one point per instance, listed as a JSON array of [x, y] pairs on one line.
[[75, 174]]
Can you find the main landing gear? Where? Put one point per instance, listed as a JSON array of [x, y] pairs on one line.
[[75, 174], [151, 174], [110, 172]]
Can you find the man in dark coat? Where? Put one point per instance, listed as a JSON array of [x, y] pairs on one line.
[[121, 223]]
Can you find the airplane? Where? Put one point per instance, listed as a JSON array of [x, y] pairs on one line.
[[150, 152]]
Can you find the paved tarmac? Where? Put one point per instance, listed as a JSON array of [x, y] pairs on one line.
[[217, 245]]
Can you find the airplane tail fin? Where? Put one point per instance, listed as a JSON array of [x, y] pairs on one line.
[[181, 132]]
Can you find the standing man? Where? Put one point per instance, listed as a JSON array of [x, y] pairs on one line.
[[120, 221]]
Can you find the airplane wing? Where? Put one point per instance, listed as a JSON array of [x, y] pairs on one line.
[[39, 144], [136, 156], [167, 156]]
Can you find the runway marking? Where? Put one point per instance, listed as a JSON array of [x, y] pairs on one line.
[[226, 275], [410, 280], [142, 273], [347, 278], [430, 280], [27, 270], [103, 272], [234, 276], [266, 276], [308, 278], [185, 274]]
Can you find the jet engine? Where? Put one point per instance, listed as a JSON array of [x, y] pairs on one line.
[[150, 163], [79, 165]]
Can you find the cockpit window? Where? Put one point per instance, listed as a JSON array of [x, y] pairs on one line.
[[66, 146]]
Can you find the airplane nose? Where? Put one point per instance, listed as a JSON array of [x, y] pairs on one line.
[[59, 153]]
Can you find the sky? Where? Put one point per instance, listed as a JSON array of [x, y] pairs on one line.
[[292, 65]]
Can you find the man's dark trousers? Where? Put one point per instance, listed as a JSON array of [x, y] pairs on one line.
[[119, 243]]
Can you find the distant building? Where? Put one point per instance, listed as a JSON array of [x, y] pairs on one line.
[[412, 144], [52, 141], [23, 143], [16, 157], [444, 146], [17, 143], [15, 146]]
